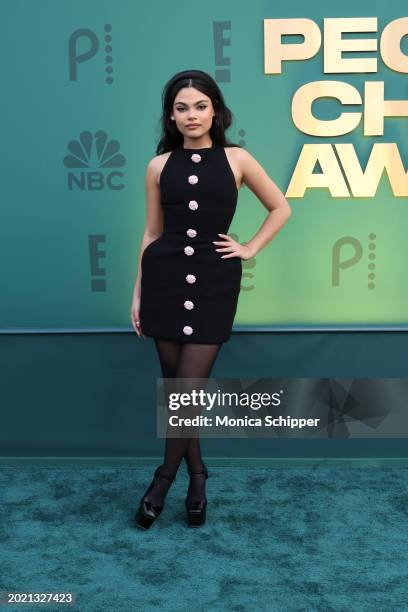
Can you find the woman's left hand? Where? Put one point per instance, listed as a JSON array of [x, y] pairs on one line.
[[233, 248]]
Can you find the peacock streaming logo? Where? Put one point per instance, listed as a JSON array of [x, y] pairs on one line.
[[93, 151], [84, 45], [348, 252]]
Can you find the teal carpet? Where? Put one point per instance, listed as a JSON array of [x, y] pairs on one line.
[[276, 539]]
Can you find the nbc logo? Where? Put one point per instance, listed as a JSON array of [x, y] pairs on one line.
[[94, 151]]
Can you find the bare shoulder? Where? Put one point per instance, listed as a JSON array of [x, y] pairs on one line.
[[156, 164], [241, 155], [240, 160], [258, 180], [158, 161], [247, 163]]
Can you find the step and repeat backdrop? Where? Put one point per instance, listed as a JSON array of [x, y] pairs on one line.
[[319, 97]]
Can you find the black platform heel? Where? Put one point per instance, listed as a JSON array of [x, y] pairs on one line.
[[196, 511], [147, 513]]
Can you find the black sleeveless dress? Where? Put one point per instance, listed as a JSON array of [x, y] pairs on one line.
[[188, 293]]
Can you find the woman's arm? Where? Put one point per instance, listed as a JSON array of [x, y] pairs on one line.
[[154, 215], [255, 177]]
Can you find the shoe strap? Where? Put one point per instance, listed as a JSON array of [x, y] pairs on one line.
[[203, 471], [159, 473]]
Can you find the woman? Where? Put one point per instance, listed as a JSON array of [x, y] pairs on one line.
[[189, 269]]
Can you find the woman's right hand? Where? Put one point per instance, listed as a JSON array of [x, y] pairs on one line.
[[134, 315]]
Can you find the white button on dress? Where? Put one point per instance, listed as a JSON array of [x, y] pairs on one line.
[[188, 250]]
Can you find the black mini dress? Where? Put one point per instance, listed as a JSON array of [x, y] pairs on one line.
[[188, 292]]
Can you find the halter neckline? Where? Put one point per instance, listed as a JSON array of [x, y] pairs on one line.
[[198, 149]]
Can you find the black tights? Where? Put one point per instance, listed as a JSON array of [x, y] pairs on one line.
[[183, 360]]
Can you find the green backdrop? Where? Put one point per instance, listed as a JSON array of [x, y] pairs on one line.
[[73, 212]]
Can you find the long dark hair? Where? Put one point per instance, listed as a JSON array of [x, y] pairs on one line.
[[171, 137]]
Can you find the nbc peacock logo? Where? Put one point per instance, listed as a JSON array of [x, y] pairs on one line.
[[93, 151]]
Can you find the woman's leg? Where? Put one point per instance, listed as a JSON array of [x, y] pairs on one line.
[[169, 354], [196, 361], [192, 455], [183, 361]]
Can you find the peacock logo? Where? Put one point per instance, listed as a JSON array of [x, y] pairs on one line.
[[94, 151]]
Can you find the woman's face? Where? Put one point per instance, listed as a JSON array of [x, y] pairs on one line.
[[192, 107]]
